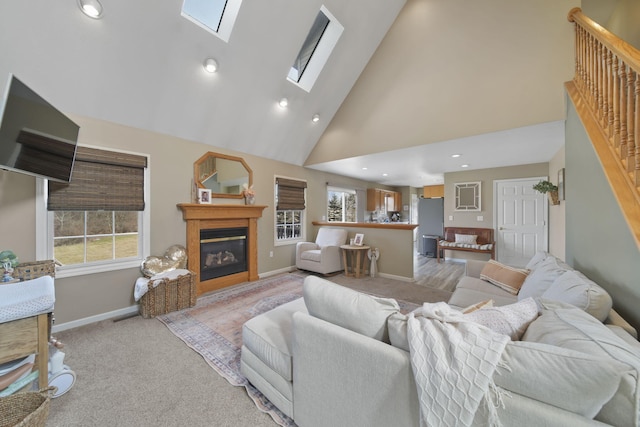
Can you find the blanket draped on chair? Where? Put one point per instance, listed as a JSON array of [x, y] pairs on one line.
[[453, 362]]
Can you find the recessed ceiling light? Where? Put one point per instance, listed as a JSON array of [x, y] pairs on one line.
[[364, 169], [455, 155], [283, 102], [91, 8], [385, 174], [210, 65], [315, 118], [464, 166]]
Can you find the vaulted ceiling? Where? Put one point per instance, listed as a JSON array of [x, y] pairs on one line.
[[410, 80]]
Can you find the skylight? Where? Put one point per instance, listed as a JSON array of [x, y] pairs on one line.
[[215, 16], [315, 51]]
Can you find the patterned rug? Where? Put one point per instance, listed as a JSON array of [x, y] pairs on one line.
[[213, 328]]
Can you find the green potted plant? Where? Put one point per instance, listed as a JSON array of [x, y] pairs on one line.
[[548, 187]]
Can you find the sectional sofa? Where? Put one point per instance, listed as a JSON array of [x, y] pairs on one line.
[[340, 357]]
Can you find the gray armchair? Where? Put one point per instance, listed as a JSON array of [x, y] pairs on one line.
[[323, 256]]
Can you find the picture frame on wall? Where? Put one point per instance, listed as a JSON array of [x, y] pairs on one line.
[[561, 184], [358, 239], [204, 196]]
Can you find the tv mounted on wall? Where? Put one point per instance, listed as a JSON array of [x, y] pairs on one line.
[[35, 138]]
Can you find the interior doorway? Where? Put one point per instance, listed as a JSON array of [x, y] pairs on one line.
[[521, 220]]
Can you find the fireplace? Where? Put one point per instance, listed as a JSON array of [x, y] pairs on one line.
[[223, 251], [222, 243]]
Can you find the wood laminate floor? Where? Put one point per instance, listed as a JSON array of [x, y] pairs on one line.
[[444, 275]]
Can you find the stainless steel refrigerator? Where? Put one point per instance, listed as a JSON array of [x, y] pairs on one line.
[[430, 224]]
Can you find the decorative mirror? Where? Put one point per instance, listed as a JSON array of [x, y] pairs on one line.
[[468, 196], [222, 174]]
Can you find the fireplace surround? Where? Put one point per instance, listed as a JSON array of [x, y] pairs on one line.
[[202, 219]]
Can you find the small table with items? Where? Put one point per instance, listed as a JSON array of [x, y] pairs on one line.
[[358, 257]]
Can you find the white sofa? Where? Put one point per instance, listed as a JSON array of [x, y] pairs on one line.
[[323, 256], [352, 367]]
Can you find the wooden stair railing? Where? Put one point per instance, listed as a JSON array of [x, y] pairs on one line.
[[606, 92]]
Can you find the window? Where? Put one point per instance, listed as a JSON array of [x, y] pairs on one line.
[[316, 48], [341, 205], [290, 206], [215, 16], [98, 221]]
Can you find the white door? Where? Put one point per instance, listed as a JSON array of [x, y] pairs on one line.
[[520, 220]]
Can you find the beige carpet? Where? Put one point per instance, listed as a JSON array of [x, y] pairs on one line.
[[135, 372]]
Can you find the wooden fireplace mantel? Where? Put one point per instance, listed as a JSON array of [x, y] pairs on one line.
[[202, 216]]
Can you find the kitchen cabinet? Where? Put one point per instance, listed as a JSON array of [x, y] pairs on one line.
[[433, 191], [383, 200]]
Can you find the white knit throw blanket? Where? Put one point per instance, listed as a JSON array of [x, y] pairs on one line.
[[453, 362]]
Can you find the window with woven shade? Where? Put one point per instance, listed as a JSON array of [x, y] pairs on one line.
[[98, 218], [290, 205], [101, 180]]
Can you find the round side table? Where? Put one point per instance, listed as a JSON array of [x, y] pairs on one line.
[[358, 256]]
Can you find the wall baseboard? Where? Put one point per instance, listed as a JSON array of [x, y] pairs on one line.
[[394, 277], [127, 311], [276, 272]]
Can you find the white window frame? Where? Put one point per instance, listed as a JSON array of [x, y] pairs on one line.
[[320, 56], [342, 190], [45, 230], [303, 222], [227, 21]]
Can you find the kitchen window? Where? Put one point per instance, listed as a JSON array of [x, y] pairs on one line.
[[341, 205]]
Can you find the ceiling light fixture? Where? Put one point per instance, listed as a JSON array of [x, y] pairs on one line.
[[210, 65], [464, 166], [283, 102], [91, 8], [315, 118], [455, 155]]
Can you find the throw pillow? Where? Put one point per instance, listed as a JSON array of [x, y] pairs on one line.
[[478, 306], [511, 320], [576, 289], [541, 277], [503, 276], [466, 238]]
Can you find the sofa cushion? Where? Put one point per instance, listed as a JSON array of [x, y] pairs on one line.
[[350, 309], [503, 276], [268, 336], [511, 320], [542, 277], [471, 290], [331, 236], [557, 376], [312, 255], [574, 288], [566, 326]]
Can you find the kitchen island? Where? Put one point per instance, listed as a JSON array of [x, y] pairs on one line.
[[395, 242]]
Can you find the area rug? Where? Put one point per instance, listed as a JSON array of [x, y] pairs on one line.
[[213, 328]]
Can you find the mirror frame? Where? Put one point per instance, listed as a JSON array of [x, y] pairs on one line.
[[207, 156], [469, 206]]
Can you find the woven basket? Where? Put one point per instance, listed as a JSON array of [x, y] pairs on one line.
[[169, 295], [30, 409], [35, 269]]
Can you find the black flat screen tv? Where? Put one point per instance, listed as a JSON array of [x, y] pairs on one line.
[[35, 138]]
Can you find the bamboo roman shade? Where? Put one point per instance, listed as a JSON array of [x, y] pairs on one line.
[[101, 180], [290, 194]]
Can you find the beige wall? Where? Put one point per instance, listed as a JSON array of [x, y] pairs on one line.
[[557, 213], [171, 169], [486, 177], [431, 80]]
